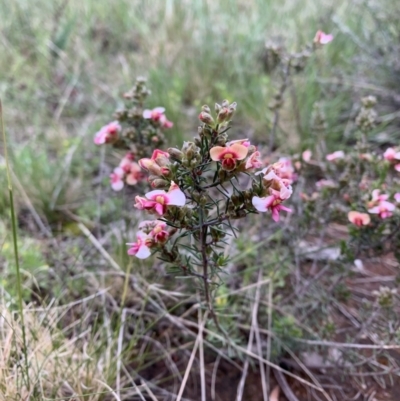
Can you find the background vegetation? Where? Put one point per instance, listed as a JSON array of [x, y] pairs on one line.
[[102, 326]]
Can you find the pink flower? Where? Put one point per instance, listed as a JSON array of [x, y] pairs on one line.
[[322, 38], [140, 248], [391, 154], [134, 175], [155, 229], [253, 161], [272, 202], [108, 133], [281, 170], [228, 155], [397, 197], [339, 154], [384, 209], [117, 179], [359, 219], [154, 114], [158, 200]]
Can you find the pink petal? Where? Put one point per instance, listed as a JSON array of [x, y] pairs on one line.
[[147, 113], [117, 186], [275, 214], [240, 151], [159, 208], [285, 209], [397, 197], [159, 110], [153, 194], [176, 198], [374, 210], [131, 179], [388, 206], [306, 155], [397, 167], [143, 252], [262, 204], [216, 152]]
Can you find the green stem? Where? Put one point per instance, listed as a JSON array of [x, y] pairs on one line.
[[14, 235]]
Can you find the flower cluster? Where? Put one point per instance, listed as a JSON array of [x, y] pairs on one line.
[[128, 172], [392, 155], [136, 130], [150, 235], [361, 186], [195, 193]]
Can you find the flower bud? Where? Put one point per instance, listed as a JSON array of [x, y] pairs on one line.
[[225, 103], [159, 183], [206, 109], [221, 139], [206, 118], [223, 115], [217, 107], [175, 153]]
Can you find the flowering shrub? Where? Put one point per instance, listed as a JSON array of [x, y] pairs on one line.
[[137, 131], [362, 186], [199, 190]]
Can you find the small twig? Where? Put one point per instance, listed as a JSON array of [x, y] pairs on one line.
[[281, 379]]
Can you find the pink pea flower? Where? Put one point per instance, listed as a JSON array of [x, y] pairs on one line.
[[284, 169], [126, 162], [391, 154], [339, 154], [154, 114], [134, 175], [359, 219], [140, 248], [253, 161], [158, 200], [108, 133], [228, 155], [383, 210], [117, 179], [272, 203], [322, 38], [159, 233], [397, 197], [155, 229]]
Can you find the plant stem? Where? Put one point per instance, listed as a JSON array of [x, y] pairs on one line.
[[279, 96], [15, 241], [203, 244]]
